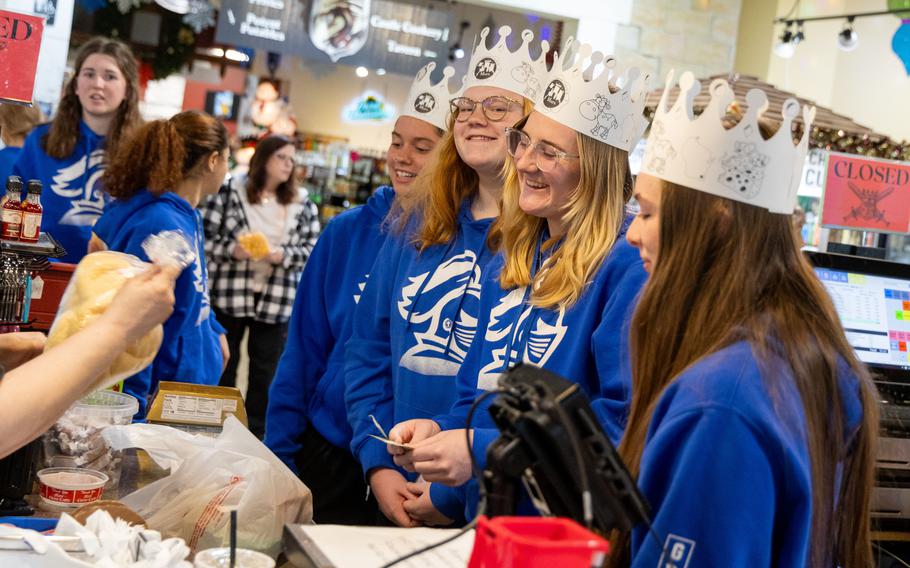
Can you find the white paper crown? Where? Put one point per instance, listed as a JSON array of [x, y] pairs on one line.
[[574, 97], [738, 163], [429, 102], [514, 71]]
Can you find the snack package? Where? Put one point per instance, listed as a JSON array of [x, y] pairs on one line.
[[254, 243], [95, 282]]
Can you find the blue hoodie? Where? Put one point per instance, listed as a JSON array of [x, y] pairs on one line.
[[726, 466], [586, 343], [191, 350], [72, 197], [8, 157], [308, 387], [412, 329]]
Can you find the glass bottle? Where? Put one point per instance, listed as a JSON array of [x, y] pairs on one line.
[[31, 213], [12, 209]]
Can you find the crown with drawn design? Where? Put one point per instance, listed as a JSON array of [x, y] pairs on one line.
[[514, 71], [429, 102], [736, 163], [608, 107]]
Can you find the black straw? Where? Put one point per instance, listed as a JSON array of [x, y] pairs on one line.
[[233, 537]]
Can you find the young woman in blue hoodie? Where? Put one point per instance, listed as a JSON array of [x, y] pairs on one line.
[[418, 312], [561, 291], [99, 106], [306, 422], [752, 424], [157, 179]]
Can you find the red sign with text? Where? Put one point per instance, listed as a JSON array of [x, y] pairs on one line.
[[867, 194], [20, 43]]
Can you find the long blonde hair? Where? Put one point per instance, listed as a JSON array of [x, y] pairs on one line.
[[593, 218], [438, 192]]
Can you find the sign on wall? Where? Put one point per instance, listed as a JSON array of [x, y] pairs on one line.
[[395, 36], [20, 44], [866, 194]]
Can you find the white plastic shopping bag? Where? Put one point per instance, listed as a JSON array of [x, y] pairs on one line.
[[210, 476]]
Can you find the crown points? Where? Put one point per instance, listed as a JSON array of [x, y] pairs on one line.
[[429, 102]]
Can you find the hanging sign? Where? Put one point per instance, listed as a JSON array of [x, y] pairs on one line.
[[866, 194], [378, 34], [20, 44], [370, 107]]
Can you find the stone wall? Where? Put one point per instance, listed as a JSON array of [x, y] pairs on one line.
[[698, 35]]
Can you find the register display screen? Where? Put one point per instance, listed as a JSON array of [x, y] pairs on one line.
[[875, 313]]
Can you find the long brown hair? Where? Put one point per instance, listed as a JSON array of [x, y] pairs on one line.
[[162, 153], [593, 217], [19, 120], [60, 140], [439, 190], [255, 181], [755, 285]]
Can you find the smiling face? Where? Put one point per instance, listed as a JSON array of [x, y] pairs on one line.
[[481, 143], [280, 165], [644, 232], [412, 142], [100, 86], [546, 194]]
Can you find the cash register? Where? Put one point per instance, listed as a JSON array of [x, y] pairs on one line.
[[872, 298]]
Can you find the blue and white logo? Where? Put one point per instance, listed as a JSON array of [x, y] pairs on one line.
[[677, 552], [80, 183]]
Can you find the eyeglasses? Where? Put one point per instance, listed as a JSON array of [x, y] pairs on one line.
[[283, 158], [495, 108], [546, 157]]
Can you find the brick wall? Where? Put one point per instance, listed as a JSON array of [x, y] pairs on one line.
[[698, 35]]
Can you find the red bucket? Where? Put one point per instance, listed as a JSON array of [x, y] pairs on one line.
[[535, 542]]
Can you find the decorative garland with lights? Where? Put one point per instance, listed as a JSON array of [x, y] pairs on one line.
[[863, 145]]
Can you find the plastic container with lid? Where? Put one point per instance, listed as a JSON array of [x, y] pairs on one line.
[[76, 440], [70, 486], [221, 558]]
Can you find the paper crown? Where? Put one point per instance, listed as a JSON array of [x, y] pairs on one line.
[[514, 71], [429, 102], [574, 97], [698, 152]]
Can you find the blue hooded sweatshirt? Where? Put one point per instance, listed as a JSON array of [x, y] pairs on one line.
[[72, 197], [412, 329], [308, 388], [586, 343], [726, 466], [8, 157], [191, 350]]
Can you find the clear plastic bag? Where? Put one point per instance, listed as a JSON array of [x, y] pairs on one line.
[[97, 279]]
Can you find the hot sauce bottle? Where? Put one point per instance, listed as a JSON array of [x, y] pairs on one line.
[[31, 213], [12, 209]]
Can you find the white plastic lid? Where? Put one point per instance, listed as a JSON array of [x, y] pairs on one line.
[[107, 404]]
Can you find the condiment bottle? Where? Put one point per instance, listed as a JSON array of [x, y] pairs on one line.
[[31, 213], [12, 209]]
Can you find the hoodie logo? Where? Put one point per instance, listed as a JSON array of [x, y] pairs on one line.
[[502, 336], [440, 344], [200, 283], [80, 184]]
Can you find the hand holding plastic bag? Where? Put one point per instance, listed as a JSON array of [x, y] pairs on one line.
[[210, 476], [95, 283]]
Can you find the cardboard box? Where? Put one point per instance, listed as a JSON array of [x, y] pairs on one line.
[[196, 408]]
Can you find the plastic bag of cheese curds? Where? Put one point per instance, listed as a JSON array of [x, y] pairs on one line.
[[97, 279]]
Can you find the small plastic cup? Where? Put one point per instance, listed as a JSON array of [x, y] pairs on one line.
[[221, 558], [70, 486]]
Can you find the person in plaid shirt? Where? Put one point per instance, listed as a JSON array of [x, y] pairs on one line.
[[255, 292]]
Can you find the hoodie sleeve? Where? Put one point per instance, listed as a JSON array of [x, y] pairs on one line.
[[368, 367], [302, 240], [309, 343], [26, 165], [221, 225], [610, 343], [710, 512]]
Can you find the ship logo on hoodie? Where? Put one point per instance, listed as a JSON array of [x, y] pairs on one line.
[[440, 345], [80, 183], [505, 332]]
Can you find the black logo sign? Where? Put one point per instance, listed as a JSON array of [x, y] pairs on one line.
[[555, 94], [424, 103], [485, 68]]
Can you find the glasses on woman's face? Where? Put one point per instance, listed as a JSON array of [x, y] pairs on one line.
[[546, 157], [284, 158], [495, 108]]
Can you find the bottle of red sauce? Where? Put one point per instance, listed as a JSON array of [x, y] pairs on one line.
[[12, 209], [31, 213]]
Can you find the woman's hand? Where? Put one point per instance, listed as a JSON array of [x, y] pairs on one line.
[[143, 302], [240, 253], [19, 348], [422, 509], [410, 432], [225, 351], [390, 489], [276, 256], [443, 458]]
